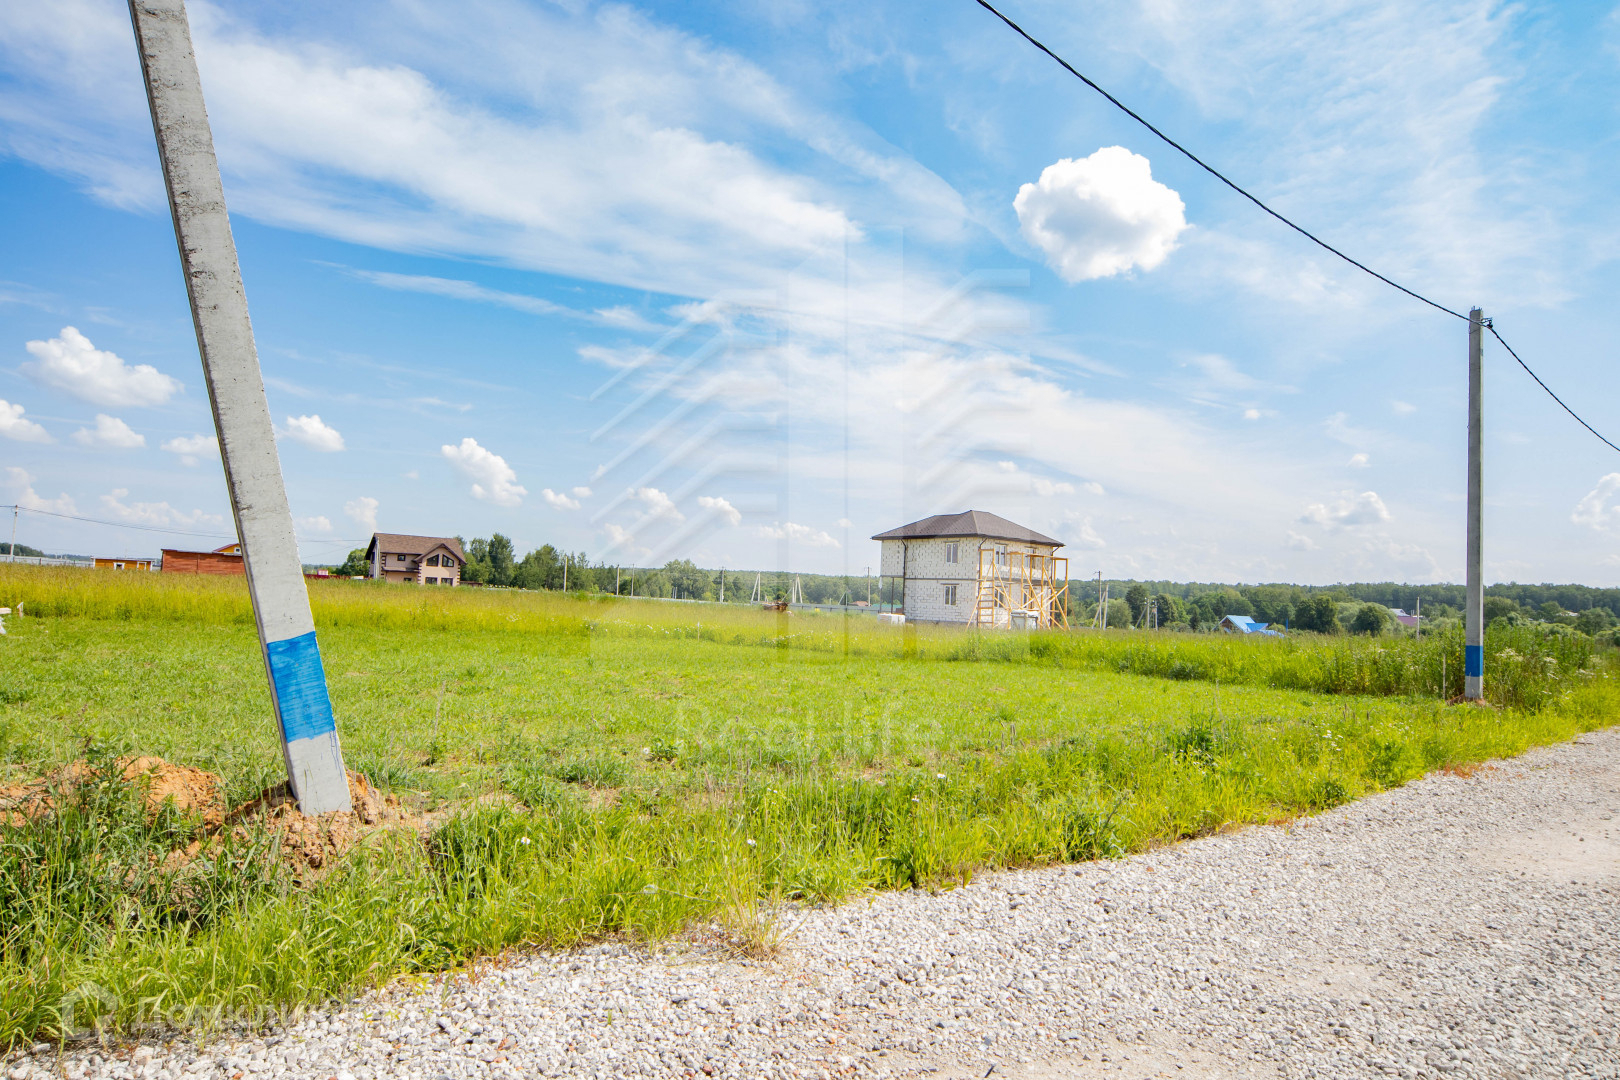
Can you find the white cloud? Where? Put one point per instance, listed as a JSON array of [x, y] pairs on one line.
[[1101, 215], [13, 426], [658, 504], [796, 533], [1089, 537], [582, 492], [316, 524], [313, 432], [153, 513], [1091, 487], [189, 447], [1596, 509], [1040, 485], [1359, 461], [109, 433], [1300, 542], [1348, 511], [1251, 414], [70, 362], [1403, 408], [492, 478], [720, 506], [19, 481], [363, 512], [558, 500]]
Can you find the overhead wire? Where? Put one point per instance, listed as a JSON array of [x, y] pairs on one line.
[[152, 528], [1312, 237]]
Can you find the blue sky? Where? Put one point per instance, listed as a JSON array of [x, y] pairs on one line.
[[748, 282]]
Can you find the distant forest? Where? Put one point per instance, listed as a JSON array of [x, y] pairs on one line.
[[495, 562]]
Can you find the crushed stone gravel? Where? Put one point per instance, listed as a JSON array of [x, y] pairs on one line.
[[1459, 926]]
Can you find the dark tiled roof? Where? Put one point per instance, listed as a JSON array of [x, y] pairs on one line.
[[971, 523], [405, 544]]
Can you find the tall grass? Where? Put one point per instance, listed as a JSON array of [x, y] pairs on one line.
[[86, 901], [1524, 667]]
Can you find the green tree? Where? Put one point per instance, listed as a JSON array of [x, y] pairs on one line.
[[1136, 597], [1497, 607], [1370, 619], [1319, 613], [1594, 621], [689, 582], [356, 565], [500, 559], [538, 570], [1171, 610]]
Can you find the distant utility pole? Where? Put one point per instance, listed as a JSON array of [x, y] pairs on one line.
[[247, 441], [1474, 614]]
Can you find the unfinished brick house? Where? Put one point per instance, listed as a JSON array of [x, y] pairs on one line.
[[976, 568], [416, 560]]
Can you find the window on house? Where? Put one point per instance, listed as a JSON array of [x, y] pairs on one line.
[[950, 593], [432, 581], [401, 558], [433, 560], [950, 551], [1001, 554]]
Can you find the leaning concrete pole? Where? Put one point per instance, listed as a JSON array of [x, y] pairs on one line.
[[1474, 614], [247, 441]]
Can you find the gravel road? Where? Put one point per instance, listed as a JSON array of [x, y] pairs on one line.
[[1459, 926]]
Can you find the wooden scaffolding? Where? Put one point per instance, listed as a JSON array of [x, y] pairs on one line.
[[1018, 589]]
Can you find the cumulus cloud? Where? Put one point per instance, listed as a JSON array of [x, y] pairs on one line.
[[189, 447], [313, 432], [1596, 508], [1040, 485], [582, 492], [796, 533], [363, 512], [492, 478], [14, 426], [1089, 537], [316, 524], [1101, 215], [19, 481], [1300, 542], [1348, 511], [720, 506], [70, 362], [1359, 461], [559, 500], [658, 504], [109, 433], [153, 513], [1091, 487]]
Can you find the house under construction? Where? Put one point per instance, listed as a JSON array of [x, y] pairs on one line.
[[975, 568]]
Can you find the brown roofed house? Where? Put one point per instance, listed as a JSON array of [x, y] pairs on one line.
[[226, 560], [417, 560]]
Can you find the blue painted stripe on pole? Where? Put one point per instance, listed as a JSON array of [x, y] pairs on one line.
[[295, 668], [1473, 659]]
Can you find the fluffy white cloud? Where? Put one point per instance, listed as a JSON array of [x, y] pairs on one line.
[[153, 513], [1101, 215], [1359, 461], [363, 512], [70, 362], [190, 447], [14, 426], [313, 432], [110, 433], [317, 524], [582, 492], [1348, 511], [1596, 508], [492, 478], [1300, 542], [658, 504], [1089, 537], [720, 506], [559, 500], [19, 481], [796, 533]]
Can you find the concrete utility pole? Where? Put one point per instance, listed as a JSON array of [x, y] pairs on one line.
[[247, 441], [1474, 614]]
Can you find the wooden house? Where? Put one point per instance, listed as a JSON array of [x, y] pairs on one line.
[[415, 560], [224, 560], [123, 563]]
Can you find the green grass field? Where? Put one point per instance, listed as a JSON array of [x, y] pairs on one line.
[[668, 766]]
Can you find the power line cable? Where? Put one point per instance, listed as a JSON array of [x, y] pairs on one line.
[[155, 528], [1312, 237]]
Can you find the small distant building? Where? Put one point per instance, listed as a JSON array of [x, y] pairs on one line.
[[223, 561], [975, 568], [415, 560], [1242, 624], [1408, 621], [129, 563]]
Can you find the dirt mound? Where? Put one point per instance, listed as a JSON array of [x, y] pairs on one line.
[[312, 843], [159, 782]]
